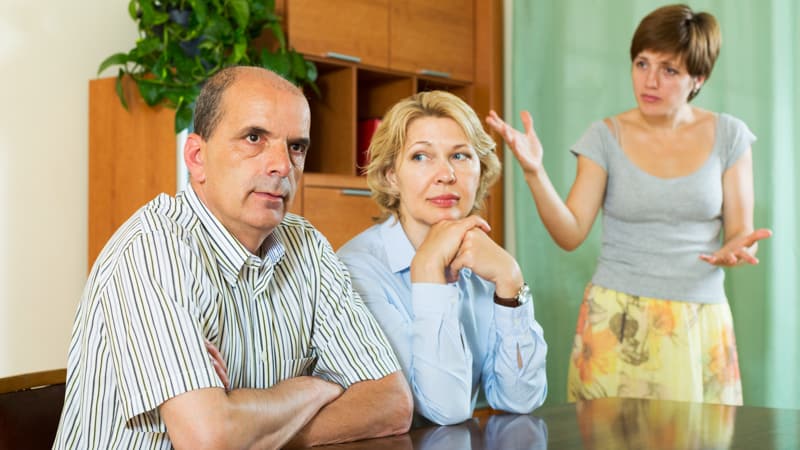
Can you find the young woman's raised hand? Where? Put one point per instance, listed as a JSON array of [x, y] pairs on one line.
[[525, 146]]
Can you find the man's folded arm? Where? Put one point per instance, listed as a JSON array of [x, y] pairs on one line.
[[367, 409], [243, 418]]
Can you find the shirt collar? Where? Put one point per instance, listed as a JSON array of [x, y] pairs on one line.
[[231, 255], [399, 250]]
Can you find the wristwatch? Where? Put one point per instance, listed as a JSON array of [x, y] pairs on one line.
[[522, 297]]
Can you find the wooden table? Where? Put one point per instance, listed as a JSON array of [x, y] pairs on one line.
[[614, 424]]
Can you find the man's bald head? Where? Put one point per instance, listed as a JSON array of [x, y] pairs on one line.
[[208, 108]]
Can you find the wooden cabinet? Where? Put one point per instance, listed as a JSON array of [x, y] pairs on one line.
[[433, 37], [340, 207], [348, 29], [132, 153], [131, 158]]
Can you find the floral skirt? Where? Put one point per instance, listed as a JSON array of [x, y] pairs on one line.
[[629, 346]]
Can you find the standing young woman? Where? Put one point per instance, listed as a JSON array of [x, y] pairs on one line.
[[675, 184], [452, 302]]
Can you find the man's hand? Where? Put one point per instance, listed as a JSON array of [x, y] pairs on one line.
[[219, 365]]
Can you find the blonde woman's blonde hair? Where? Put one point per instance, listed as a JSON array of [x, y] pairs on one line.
[[389, 141]]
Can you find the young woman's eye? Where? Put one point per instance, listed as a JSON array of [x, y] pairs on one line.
[[460, 156], [418, 157]]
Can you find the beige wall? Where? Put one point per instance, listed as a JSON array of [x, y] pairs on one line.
[[48, 52]]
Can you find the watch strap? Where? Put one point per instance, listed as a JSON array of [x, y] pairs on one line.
[[512, 302]]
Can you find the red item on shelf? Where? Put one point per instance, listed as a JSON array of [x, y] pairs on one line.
[[366, 128]]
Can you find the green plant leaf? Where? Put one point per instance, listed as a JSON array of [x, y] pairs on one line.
[[150, 91], [183, 117], [200, 10], [299, 70], [113, 60], [119, 88], [311, 72], [240, 10], [277, 62], [173, 56], [132, 9]]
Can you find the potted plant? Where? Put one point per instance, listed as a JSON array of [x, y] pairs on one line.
[[184, 42]]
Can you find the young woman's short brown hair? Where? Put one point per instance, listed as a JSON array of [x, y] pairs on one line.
[[676, 29]]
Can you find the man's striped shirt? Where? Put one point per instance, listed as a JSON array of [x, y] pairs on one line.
[[173, 276]]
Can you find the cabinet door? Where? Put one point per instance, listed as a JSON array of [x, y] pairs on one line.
[[433, 37], [339, 207], [349, 28], [131, 157]]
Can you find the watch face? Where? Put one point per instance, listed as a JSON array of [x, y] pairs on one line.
[[524, 295]]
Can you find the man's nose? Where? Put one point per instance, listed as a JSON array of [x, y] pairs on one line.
[[279, 162]]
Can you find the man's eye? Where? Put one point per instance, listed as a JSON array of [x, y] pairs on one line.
[[253, 138], [298, 148]]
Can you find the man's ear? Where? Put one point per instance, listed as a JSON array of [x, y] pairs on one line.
[[194, 153]]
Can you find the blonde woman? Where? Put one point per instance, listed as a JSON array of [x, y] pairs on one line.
[[452, 302]]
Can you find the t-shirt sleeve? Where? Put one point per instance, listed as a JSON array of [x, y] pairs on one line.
[[153, 332], [350, 344], [736, 138], [594, 144]]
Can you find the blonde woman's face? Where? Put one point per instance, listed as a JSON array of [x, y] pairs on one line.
[[436, 174]]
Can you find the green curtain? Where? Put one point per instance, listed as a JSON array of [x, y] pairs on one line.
[[569, 66]]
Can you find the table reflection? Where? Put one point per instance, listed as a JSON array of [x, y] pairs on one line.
[[638, 424], [515, 432], [506, 432]]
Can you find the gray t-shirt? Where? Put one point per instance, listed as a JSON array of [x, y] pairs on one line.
[[655, 228]]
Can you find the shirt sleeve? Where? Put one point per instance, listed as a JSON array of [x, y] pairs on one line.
[[514, 373], [737, 138], [441, 362], [350, 345], [153, 333], [593, 144]]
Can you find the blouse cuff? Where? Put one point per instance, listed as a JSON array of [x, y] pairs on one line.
[[517, 320]]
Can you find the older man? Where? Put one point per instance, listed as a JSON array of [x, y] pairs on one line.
[[215, 320]]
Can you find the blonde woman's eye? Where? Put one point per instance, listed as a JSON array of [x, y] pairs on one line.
[[461, 156], [418, 157]]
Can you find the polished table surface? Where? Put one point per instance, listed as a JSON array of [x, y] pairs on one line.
[[614, 424]]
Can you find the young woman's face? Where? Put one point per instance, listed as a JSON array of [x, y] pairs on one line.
[[437, 173], [661, 83]]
